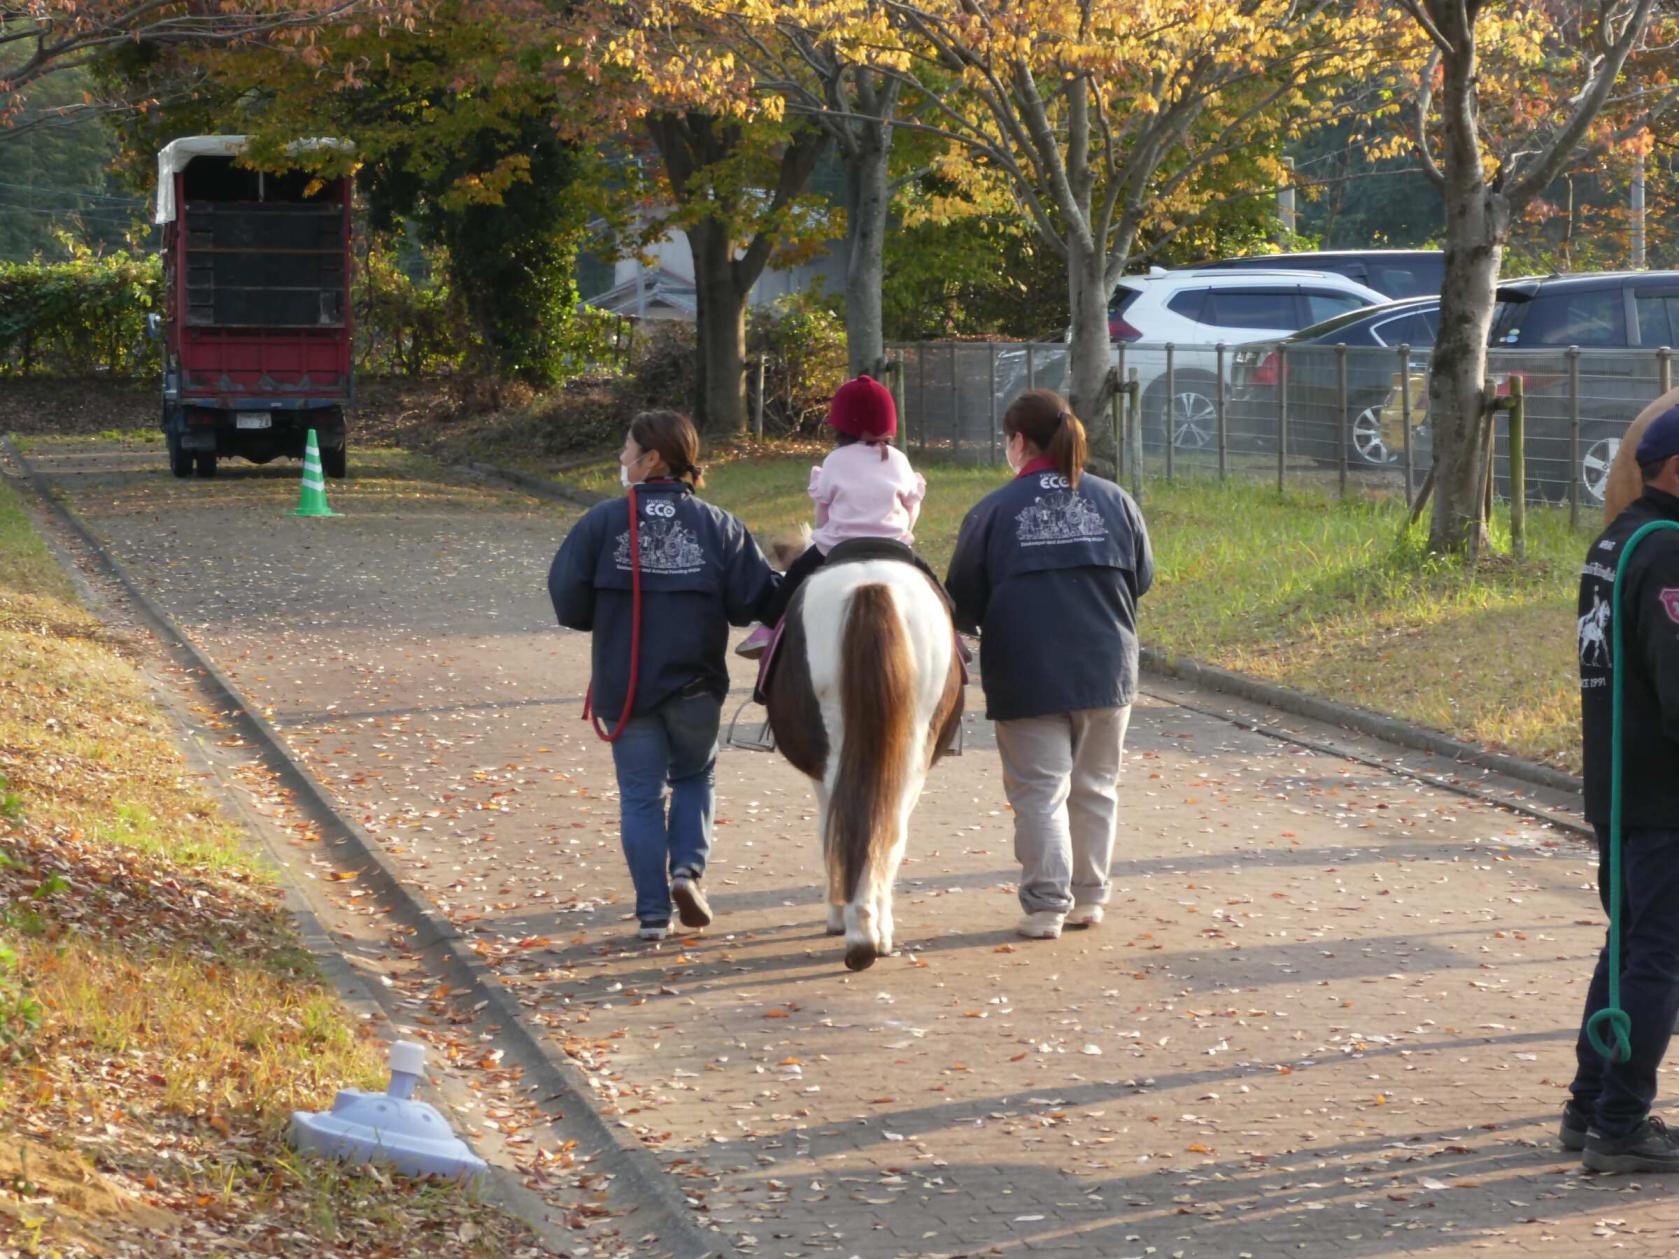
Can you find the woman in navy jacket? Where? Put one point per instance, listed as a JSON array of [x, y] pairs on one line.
[[700, 572], [1048, 571]]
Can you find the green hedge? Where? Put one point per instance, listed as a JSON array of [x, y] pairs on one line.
[[78, 318]]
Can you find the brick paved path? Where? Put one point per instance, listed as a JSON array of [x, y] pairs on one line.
[[1331, 1011]]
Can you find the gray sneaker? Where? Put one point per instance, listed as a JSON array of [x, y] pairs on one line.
[[1650, 1147]]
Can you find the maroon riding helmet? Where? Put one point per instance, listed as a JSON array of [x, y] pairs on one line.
[[863, 408]]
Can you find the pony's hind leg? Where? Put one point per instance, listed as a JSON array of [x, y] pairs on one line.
[[885, 924], [830, 866]]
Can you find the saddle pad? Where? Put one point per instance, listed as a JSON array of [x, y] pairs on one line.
[[772, 653], [766, 663]]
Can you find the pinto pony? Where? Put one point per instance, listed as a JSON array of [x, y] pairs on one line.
[[865, 696]]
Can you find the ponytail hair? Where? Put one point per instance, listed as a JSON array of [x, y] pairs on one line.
[[673, 435], [1042, 418]]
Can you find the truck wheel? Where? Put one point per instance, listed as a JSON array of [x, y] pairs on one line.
[[206, 463], [180, 460], [335, 461]]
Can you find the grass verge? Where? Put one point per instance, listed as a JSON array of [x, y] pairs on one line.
[[1326, 595], [159, 1019]]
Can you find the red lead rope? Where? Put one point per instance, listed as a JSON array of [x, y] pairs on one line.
[[635, 638]]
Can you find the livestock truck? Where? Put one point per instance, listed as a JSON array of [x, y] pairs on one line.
[[255, 323]]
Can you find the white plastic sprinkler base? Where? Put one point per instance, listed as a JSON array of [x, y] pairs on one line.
[[390, 1127]]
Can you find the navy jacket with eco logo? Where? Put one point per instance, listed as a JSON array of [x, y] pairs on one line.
[[701, 572], [1050, 577]]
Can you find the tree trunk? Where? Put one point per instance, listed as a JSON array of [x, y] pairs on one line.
[[691, 143], [867, 199], [1088, 353], [1477, 222], [1457, 380], [720, 327]]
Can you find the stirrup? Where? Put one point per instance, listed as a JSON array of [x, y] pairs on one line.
[[760, 740], [955, 748]]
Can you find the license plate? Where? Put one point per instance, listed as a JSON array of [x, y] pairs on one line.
[[252, 419]]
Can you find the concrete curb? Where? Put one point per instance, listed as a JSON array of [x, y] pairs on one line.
[[1362, 720], [634, 1166], [1392, 730]]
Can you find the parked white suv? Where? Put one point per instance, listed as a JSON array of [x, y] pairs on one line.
[[1194, 311]]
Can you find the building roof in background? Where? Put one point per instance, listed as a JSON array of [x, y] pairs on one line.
[[650, 294]]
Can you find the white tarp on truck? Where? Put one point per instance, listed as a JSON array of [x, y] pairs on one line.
[[175, 155]]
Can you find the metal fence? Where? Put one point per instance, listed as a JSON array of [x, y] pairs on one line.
[[1355, 416]]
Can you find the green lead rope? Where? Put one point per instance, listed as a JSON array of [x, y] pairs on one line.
[[1609, 1030]]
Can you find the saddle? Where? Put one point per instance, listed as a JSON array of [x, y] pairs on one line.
[[856, 551]]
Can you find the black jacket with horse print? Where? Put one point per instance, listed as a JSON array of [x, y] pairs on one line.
[[1650, 689], [701, 572], [1050, 577]]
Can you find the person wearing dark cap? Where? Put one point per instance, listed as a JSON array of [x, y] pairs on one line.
[[864, 489], [1608, 1115]]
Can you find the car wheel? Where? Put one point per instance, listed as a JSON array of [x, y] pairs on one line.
[[334, 461], [205, 462], [1368, 443], [1194, 419], [1597, 453], [180, 459]]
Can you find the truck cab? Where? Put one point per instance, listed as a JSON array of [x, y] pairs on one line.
[[256, 312]]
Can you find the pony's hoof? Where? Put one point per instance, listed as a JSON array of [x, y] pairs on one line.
[[836, 921], [833, 930], [859, 957]]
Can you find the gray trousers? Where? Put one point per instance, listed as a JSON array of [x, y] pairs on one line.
[[1061, 775]]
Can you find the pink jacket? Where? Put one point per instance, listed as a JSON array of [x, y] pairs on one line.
[[860, 495]]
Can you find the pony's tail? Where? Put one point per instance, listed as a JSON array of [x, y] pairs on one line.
[[877, 702]]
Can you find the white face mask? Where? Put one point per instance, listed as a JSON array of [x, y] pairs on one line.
[[1011, 454], [624, 475]]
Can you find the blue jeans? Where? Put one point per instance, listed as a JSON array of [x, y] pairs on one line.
[[1620, 1095], [675, 743]]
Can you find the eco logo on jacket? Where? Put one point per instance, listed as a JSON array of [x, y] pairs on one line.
[[1061, 517], [667, 546]]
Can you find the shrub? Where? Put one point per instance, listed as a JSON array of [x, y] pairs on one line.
[[403, 325], [80, 317], [804, 343], [662, 370]]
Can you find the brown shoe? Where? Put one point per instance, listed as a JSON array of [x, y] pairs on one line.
[[691, 906]]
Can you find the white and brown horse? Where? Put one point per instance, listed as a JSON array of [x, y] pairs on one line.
[[865, 695]]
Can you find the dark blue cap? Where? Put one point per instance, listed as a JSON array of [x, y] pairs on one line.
[[1661, 439]]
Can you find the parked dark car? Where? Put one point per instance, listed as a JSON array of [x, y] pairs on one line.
[[1398, 273], [1616, 319], [1372, 337]]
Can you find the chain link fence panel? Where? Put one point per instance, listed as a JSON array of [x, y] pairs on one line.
[[1351, 417]]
